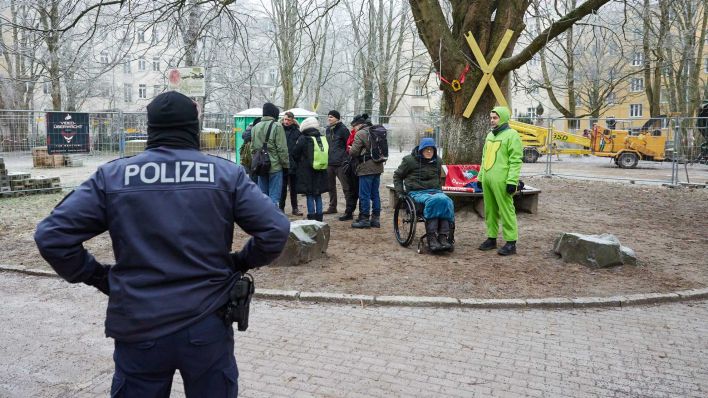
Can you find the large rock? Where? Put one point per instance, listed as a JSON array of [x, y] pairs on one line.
[[308, 240], [595, 251]]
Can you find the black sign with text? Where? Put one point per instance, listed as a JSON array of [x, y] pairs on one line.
[[67, 132]]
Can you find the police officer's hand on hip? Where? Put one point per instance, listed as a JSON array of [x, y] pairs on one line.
[[170, 212]]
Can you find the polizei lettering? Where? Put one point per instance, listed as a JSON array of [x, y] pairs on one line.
[[178, 172]]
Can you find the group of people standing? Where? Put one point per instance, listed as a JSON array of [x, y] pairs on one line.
[[307, 159]]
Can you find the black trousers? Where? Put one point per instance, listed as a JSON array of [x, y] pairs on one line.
[[288, 182]]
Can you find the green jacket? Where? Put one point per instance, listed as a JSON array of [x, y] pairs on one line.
[[360, 147], [277, 145], [418, 174], [502, 153]]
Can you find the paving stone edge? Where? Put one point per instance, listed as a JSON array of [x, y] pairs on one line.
[[413, 301]]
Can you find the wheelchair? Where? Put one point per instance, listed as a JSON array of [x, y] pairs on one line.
[[405, 217]]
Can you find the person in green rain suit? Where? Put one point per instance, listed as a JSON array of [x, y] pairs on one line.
[[499, 175]]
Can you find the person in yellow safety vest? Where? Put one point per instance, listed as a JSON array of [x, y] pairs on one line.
[[499, 175]]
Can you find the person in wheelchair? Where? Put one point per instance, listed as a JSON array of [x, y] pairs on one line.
[[420, 176]]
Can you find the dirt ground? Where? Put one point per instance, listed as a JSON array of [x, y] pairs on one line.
[[666, 227]]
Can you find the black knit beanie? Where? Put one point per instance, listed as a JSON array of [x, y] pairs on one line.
[[335, 114], [361, 119], [173, 120], [271, 110]]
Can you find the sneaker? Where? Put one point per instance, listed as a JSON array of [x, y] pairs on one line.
[[346, 217], [488, 244], [507, 250]]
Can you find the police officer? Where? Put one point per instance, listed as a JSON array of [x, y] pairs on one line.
[[170, 212]]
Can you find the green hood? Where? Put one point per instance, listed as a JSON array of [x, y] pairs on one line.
[[503, 113]]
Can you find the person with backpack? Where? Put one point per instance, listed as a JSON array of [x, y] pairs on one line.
[[337, 134], [310, 154], [292, 133], [245, 151], [420, 175], [369, 169], [269, 135]]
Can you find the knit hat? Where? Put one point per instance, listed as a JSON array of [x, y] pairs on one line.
[[270, 110], [360, 119], [172, 109], [309, 123], [335, 114]]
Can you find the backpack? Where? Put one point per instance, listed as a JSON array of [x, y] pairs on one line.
[[260, 163], [320, 148], [379, 143]]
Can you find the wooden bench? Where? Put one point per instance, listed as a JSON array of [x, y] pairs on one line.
[[526, 200]]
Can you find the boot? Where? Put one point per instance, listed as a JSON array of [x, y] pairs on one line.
[[375, 221], [296, 212], [443, 234], [311, 216], [489, 244], [346, 217], [431, 233], [508, 249], [319, 217], [363, 222], [331, 210]]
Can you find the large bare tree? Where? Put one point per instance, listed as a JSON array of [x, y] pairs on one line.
[[487, 20]]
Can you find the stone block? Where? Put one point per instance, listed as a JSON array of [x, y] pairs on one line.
[[308, 241], [596, 251]]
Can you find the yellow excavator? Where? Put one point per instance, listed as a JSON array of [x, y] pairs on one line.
[[626, 149]]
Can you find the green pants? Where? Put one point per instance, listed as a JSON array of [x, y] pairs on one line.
[[499, 204]]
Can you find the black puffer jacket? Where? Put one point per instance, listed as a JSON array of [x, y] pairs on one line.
[[337, 138], [308, 180], [292, 133], [417, 173]]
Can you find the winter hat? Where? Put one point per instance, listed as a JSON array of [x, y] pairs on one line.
[[309, 123], [270, 110], [172, 109], [426, 143], [360, 119], [335, 114]]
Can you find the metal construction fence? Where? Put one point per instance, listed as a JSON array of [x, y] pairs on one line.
[[670, 151], [110, 132]]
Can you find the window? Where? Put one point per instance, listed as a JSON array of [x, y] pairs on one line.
[[705, 65], [273, 77], [638, 59], [578, 100], [418, 113], [663, 96], [142, 91], [573, 124], [127, 92], [418, 90], [104, 57], [156, 90], [531, 112], [636, 85], [141, 63], [532, 90], [126, 67], [141, 36], [637, 34], [611, 98], [46, 88], [155, 64], [635, 110]]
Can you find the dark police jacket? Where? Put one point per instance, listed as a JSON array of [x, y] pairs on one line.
[[170, 213]]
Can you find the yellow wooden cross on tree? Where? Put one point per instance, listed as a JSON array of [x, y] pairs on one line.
[[488, 70]]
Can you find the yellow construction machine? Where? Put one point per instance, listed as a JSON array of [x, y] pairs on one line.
[[626, 149]]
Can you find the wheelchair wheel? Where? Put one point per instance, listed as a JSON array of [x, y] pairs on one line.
[[404, 220]]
